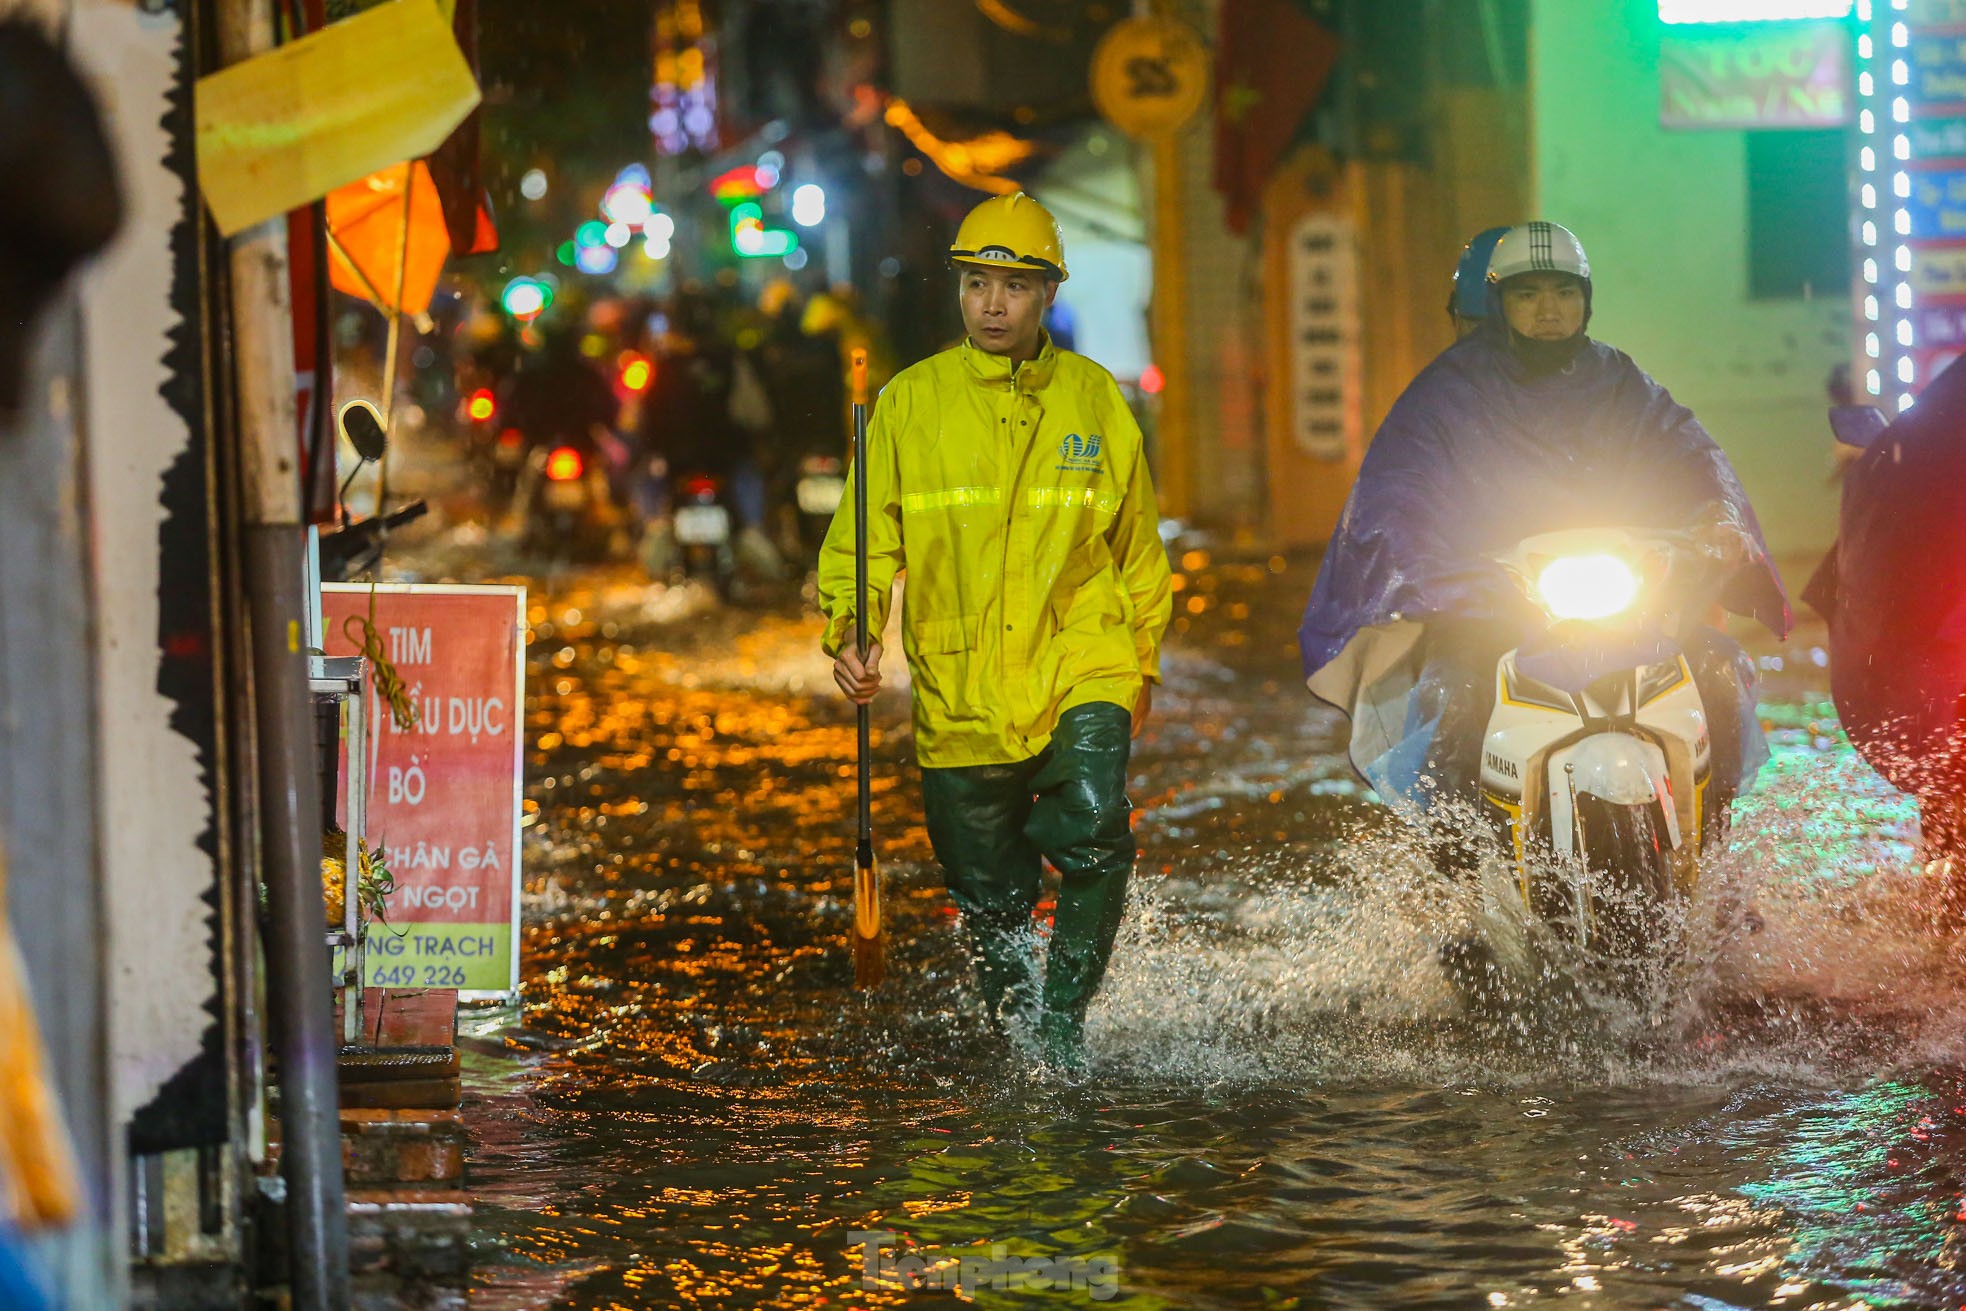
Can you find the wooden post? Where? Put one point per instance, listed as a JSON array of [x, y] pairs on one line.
[[1169, 317]]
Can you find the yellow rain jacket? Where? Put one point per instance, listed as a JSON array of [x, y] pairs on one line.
[[1019, 501]]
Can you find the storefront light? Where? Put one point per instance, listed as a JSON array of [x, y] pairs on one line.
[[1865, 87], [1870, 271], [1863, 46], [809, 205], [1870, 308], [1873, 383], [1901, 147], [1872, 346], [1870, 233], [1904, 368], [1903, 260], [1904, 223], [1749, 11], [1867, 121], [1900, 34], [1904, 402], [1870, 196], [1903, 296], [1901, 110], [1904, 332], [1901, 184]]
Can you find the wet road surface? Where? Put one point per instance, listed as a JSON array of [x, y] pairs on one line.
[[1286, 1106]]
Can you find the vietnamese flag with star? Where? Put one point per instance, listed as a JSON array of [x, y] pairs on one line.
[[1272, 61]]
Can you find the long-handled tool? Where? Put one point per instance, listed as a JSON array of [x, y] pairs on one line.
[[868, 965]]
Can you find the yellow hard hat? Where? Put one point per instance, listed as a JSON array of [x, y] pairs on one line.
[[1011, 231]]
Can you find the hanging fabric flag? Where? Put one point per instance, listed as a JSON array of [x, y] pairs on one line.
[[1271, 65]]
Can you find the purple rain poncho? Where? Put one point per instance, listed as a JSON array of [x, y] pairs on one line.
[[1476, 455]]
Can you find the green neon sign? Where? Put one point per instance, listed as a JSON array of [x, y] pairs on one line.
[[1750, 11]]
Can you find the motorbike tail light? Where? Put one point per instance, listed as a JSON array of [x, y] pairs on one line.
[[700, 488], [511, 437], [481, 406], [564, 465]]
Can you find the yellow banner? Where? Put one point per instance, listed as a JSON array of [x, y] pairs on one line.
[[286, 127]]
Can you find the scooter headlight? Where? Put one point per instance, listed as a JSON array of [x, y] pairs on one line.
[[1587, 586]]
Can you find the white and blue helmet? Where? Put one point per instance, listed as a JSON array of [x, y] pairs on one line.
[[1538, 248]]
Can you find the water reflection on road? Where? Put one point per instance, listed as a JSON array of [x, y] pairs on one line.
[[1286, 1106]]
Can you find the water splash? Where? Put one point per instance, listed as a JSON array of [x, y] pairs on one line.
[[1806, 953]]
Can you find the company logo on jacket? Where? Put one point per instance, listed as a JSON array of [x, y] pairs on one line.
[[1081, 454]]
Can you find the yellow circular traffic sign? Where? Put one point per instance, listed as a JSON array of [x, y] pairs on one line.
[[1149, 75]]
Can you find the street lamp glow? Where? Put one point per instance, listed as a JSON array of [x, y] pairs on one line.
[[809, 205], [533, 185], [659, 227], [618, 235], [627, 204], [524, 298]]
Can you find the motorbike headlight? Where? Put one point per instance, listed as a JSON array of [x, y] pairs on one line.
[[1587, 586]]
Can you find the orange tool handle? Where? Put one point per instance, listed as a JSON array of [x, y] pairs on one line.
[[859, 377]]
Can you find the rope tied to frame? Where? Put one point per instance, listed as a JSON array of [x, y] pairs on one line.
[[368, 642]]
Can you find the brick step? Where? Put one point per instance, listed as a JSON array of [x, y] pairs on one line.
[[395, 1017], [414, 1237], [409, 1249], [403, 1094], [385, 1148]]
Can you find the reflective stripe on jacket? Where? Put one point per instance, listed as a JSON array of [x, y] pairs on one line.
[[1019, 502]]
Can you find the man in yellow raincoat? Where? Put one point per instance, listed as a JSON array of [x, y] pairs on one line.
[[1007, 477]]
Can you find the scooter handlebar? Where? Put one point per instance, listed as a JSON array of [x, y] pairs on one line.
[[341, 548]]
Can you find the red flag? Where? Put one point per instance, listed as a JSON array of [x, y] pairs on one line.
[[457, 166], [1271, 64]]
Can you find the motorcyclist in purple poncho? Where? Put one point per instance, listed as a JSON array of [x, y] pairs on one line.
[[1524, 426]]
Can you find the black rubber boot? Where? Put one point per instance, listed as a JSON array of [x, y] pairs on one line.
[[990, 826]]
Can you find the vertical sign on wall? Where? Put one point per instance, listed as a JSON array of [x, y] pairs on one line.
[[1326, 368], [444, 796]]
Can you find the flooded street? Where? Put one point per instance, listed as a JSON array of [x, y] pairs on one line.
[[1286, 1106]]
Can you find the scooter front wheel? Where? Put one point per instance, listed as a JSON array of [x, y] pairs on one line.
[[1628, 878]]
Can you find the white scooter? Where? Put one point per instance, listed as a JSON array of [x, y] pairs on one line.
[[1596, 764]]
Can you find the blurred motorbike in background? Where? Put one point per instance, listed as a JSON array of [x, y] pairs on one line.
[[816, 496], [565, 504]]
